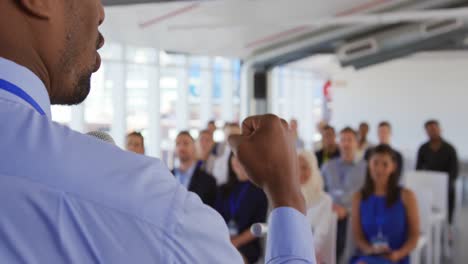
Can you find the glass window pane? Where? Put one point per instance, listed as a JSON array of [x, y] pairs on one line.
[[168, 93], [111, 51], [141, 55], [61, 114], [169, 59], [138, 78], [98, 105]]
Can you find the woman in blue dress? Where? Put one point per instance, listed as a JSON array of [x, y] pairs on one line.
[[242, 204], [385, 217]]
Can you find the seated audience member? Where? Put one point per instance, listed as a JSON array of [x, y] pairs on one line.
[[385, 217], [343, 177], [330, 149], [189, 174], [384, 134], [294, 127], [135, 143], [205, 146], [363, 143], [318, 203], [242, 204], [223, 151]]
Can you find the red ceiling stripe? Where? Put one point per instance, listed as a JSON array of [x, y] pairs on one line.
[[362, 7], [169, 15], [276, 36], [302, 28]]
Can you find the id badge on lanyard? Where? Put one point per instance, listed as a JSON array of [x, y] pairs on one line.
[[234, 205]]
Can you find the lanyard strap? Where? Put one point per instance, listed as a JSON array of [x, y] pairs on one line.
[[235, 201], [379, 215], [11, 88]]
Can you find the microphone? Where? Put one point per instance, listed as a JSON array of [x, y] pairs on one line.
[[102, 136], [259, 229]]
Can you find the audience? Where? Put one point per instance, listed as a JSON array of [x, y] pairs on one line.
[[330, 149], [294, 127], [135, 143], [439, 155], [364, 144], [189, 174], [205, 147], [318, 203], [344, 176], [385, 217], [242, 204], [384, 134], [385, 221]]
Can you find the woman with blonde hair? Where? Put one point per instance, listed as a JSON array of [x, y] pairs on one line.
[[318, 203]]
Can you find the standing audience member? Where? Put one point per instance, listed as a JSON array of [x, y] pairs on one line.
[[330, 149], [189, 174], [364, 144], [343, 177], [221, 163], [384, 134], [205, 146], [385, 217], [211, 126], [317, 145], [439, 155], [294, 127], [318, 203], [242, 204], [136, 143]]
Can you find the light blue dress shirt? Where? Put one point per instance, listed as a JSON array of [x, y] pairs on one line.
[[342, 179], [66, 197], [185, 178]]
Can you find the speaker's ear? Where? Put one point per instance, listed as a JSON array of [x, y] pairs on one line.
[[38, 8]]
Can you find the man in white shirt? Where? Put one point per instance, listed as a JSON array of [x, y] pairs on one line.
[[69, 198]]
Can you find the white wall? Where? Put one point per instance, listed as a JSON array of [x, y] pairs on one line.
[[407, 92]]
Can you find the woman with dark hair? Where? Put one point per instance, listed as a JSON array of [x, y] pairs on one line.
[[242, 204], [385, 217]]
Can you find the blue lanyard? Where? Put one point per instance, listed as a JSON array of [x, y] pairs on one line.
[[234, 201], [9, 87], [379, 215]]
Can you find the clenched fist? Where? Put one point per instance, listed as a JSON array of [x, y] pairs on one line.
[[267, 151]]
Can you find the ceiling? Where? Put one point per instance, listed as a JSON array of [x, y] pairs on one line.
[[285, 30]]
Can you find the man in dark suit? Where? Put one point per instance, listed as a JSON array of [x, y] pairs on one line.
[[330, 149], [439, 155], [189, 173]]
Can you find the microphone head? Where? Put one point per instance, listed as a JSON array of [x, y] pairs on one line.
[[102, 136], [259, 229]]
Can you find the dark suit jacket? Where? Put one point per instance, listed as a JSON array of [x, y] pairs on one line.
[[321, 153], [204, 185]]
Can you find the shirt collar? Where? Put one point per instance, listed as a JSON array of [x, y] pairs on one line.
[[188, 172], [27, 81]]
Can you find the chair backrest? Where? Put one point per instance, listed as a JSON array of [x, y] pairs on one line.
[[351, 247], [435, 182], [424, 199], [329, 256]]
